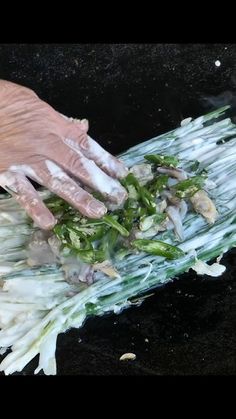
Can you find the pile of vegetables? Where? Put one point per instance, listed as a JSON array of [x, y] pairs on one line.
[[159, 195], [180, 213]]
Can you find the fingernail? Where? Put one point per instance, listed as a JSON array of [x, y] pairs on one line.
[[96, 209]]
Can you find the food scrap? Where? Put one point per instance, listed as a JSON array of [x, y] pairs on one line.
[[129, 356]]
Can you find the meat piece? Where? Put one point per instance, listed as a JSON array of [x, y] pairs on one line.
[[39, 251], [174, 216], [143, 172], [204, 206], [76, 271], [179, 174]]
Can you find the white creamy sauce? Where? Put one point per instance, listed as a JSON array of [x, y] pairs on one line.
[[185, 122], [26, 170], [100, 153], [73, 145], [72, 188], [55, 170], [5, 269], [8, 179], [64, 116], [92, 150], [100, 180], [197, 141], [202, 268]]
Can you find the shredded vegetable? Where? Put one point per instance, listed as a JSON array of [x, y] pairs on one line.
[[37, 302]]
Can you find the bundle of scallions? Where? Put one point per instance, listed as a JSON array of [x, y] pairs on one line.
[[37, 303]]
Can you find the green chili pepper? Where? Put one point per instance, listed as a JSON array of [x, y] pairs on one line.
[[112, 222], [147, 199], [187, 188], [109, 242], [91, 256], [160, 160], [195, 165], [157, 185], [122, 253], [130, 179], [75, 239], [60, 230], [131, 203], [129, 217], [148, 222], [133, 194], [142, 193], [99, 233], [158, 248]]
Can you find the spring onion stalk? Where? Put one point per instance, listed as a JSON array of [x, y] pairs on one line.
[[37, 304]]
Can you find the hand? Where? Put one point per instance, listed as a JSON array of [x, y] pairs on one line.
[[38, 142]]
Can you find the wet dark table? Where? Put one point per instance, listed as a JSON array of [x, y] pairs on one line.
[[129, 93]]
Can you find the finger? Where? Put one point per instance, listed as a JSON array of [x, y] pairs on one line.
[[74, 162], [77, 139], [92, 150], [22, 190], [58, 182]]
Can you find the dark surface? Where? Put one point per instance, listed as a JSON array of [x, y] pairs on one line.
[[131, 93]]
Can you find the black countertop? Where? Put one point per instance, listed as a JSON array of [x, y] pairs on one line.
[[129, 93]]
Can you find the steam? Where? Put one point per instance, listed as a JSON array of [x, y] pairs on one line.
[[227, 97], [223, 99]]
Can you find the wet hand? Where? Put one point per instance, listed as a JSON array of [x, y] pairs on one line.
[[39, 143]]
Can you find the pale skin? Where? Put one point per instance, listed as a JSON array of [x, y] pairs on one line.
[[39, 143]]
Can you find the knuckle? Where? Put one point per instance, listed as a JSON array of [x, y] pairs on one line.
[[84, 142]]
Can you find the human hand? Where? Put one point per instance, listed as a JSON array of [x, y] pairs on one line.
[[38, 142]]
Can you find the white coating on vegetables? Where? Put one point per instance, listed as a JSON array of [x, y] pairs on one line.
[[41, 304]]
